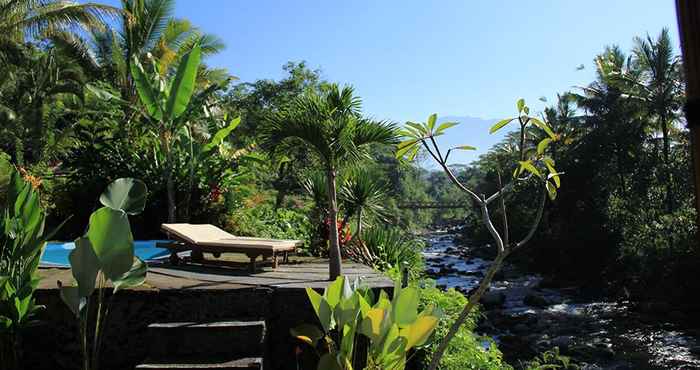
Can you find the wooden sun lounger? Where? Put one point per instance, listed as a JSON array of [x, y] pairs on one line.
[[200, 238]]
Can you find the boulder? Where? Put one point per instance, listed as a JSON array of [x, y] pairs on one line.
[[493, 299], [535, 300]]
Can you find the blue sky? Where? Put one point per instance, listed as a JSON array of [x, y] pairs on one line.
[[410, 58]]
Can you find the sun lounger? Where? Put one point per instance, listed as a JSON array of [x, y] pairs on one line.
[[200, 238]]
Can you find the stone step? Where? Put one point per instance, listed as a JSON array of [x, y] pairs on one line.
[[237, 364], [220, 339]]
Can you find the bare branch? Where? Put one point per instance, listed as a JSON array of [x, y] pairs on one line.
[[489, 225], [536, 222], [506, 242]]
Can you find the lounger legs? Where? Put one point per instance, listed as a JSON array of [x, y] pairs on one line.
[[252, 263], [197, 256], [174, 258]]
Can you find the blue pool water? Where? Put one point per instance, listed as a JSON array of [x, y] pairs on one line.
[[56, 253]]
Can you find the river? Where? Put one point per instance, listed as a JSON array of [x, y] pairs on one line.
[[525, 317]]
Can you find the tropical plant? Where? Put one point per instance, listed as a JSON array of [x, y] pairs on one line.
[[531, 165], [345, 311], [20, 19], [165, 101], [362, 197], [385, 248], [22, 240], [331, 125], [105, 253], [467, 350], [38, 80]]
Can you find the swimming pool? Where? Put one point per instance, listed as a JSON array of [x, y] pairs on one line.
[[56, 253]]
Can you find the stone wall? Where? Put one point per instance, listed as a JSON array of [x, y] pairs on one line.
[[55, 344]]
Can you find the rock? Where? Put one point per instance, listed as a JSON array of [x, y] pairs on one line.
[[695, 350], [535, 300], [493, 299], [677, 316], [655, 307], [563, 342], [521, 328]]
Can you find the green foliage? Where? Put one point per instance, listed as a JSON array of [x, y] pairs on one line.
[[466, 350], [266, 222], [551, 360], [105, 253], [393, 327], [391, 248], [22, 239]]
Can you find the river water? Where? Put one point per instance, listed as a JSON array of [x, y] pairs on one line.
[[526, 317]]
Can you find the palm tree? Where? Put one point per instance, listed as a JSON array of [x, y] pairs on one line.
[[362, 196], [26, 89], [148, 31], [331, 125], [660, 84], [38, 19], [661, 89]]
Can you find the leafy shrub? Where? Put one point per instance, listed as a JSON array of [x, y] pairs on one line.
[[388, 248], [551, 360], [466, 350], [265, 222]]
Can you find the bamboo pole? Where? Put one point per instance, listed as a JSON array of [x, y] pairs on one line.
[[688, 12]]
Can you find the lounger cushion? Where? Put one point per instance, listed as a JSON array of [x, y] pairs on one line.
[[205, 235]]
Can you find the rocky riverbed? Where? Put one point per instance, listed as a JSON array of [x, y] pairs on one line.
[[527, 315]]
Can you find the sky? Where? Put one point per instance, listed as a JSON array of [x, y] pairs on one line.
[[408, 59]]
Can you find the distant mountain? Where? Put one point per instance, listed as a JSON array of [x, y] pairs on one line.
[[470, 131]]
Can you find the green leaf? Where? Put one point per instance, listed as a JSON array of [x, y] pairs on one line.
[[132, 278], [419, 331], [551, 190], [329, 361], [542, 146], [334, 292], [465, 147], [405, 307], [553, 174], [322, 309], [148, 95], [308, 333], [110, 235], [543, 126], [84, 266], [528, 166], [221, 135], [520, 104], [125, 194], [500, 125], [444, 126], [431, 122], [420, 129], [412, 154], [71, 297], [183, 85]]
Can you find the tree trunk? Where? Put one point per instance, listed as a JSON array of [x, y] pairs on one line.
[[334, 263], [359, 224], [666, 165], [472, 302], [169, 181], [170, 187]]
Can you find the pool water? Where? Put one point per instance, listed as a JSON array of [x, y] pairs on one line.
[[56, 253]]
